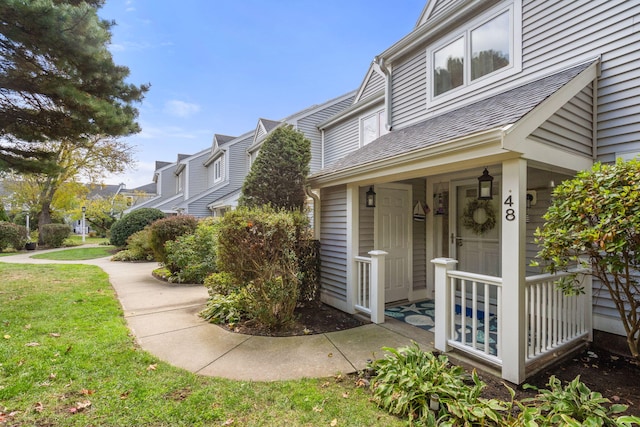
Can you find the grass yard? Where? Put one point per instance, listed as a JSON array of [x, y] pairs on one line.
[[77, 254], [76, 240], [67, 359]]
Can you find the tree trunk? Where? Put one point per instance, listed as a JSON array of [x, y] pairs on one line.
[[44, 217]]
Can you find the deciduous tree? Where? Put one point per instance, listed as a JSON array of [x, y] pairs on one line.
[[594, 220]]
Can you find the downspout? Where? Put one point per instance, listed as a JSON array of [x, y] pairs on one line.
[[316, 211], [321, 148], [594, 112], [386, 70]]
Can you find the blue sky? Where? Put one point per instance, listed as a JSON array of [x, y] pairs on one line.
[[217, 66]]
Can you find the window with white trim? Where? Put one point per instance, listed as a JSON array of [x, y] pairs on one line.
[[484, 48], [217, 170], [372, 127]]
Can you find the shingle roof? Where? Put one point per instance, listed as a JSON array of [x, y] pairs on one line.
[[269, 125], [223, 139], [496, 111]]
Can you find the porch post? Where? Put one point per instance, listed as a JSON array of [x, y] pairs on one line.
[[443, 302], [512, 341], [352, 230], [377, 286]]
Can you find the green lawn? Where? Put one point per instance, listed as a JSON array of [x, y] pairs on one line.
[[77, 254], [67, 359], [76, 240]]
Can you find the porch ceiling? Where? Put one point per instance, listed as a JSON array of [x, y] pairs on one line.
[[478, 129]]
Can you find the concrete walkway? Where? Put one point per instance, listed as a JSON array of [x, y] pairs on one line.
[[164, 319]]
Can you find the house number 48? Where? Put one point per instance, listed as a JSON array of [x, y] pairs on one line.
[[509, 213]]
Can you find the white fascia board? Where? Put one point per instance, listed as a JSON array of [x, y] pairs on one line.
[[467, 149], [353, 111]]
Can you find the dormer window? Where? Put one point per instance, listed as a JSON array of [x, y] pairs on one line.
[[372, 127], [485, 48]]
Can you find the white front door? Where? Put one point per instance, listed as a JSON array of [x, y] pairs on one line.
[[394, 228], [477, 239]]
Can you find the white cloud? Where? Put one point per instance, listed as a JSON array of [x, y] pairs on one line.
[[180, 108]]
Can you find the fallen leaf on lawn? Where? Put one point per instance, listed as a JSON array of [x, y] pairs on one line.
[[32, 344], [83, 405], [86, 392], [27, 326], [39, 407], [52, 376], [362, 382], [325, 384], [7, 337], [228, 422], [334, 422], [54, 335], [152, 367], [345, 395], [317, 409], [125, 395], [45, 384]]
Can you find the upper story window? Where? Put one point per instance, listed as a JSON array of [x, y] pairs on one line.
[[372, 127], [485, 48], [217, 170], [179, 182]]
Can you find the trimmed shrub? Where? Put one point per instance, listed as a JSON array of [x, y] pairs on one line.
[[257, 247], [132, 223], [138, 247], [53, 235], [12, 235], [170, 228], [192, 257]]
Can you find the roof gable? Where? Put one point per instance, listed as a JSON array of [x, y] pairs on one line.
[[500, 111]]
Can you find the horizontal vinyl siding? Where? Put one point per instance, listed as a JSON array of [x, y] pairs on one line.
[[333, 242], [168, 182], [572, 126], [409, 90], [373, 86], [568, 31], [341, 140], [419, 237], [442, 7], [197, 174], [309, 126], [366, 230]]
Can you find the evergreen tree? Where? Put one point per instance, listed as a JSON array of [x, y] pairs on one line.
[[279, 173], [58, 81]]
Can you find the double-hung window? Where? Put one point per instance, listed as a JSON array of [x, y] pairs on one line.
[[372, 127], [217, 170]]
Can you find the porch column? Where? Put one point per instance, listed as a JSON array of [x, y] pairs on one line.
[[443, 302], [352, 232], [377, 286], [512, 340]]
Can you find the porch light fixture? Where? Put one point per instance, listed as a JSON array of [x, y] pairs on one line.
[[370, 200], [485, 186]]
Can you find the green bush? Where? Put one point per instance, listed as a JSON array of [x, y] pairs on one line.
[[258, 248], [53, 235], [430, 391], [12, 235], [192, 257], [138, 247], [170, 228], [132, 223]]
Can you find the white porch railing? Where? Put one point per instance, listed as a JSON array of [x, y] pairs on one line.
[[369, 276], [469, 316]]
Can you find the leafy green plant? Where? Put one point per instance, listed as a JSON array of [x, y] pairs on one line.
[[192, 257], [574, 404], [170, 228], [138, 247], [12, 235], [53, 235], [594, 221], [132, 223], [225, 309]]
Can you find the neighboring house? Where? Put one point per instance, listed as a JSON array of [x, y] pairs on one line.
[[529, 91]]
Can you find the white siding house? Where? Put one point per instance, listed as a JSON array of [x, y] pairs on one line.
[[529, 91]]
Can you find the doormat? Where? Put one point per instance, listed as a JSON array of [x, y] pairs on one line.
[[422, 315]]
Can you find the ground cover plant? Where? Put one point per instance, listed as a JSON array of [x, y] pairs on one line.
[[68, 359]]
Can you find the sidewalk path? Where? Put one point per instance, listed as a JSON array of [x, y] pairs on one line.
[[164, 319]]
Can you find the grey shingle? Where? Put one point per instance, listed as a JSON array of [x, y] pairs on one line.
[[496, 111]]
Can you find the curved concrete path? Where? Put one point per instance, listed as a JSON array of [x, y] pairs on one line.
[[164, 319]]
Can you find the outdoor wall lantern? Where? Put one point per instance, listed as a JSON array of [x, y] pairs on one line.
[[370, 201], [485, 186]]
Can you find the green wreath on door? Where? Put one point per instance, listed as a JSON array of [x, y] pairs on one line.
[[479, 216]]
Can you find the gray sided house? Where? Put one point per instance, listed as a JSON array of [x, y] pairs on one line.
[[225, 168], [190, 178], [164, 179], [460, 131]]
